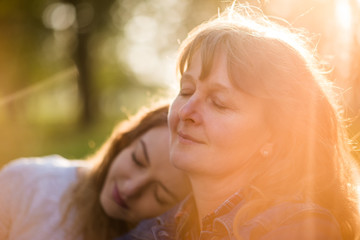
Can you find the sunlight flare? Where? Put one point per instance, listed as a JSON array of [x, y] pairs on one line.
[[343, 13]]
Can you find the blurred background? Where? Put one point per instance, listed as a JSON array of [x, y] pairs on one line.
[[70, 70]]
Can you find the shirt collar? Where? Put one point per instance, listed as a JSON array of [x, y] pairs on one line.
[[223, 217]]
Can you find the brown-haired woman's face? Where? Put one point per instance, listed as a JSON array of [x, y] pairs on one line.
[[141, 182]]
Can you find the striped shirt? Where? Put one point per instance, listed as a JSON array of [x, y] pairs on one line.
[[187, 219]]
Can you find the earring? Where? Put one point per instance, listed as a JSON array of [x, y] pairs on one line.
[[265, 153], [266, 150]]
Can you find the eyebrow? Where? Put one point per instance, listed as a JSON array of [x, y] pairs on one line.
[[214, 87], [143, 145], [217, 87]]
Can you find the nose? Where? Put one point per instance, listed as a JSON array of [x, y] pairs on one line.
[[189, 111], [135, 186]]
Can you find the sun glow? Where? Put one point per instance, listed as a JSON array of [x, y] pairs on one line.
[[343, 13], [358, 191]]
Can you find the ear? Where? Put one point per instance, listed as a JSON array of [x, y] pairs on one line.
[[267, 149]]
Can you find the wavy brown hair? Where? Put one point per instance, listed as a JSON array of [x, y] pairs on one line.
[[311, 159], [82, 201]]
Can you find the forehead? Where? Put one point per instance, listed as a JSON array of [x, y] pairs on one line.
[[156, 144], [203, 66], [210, 55], [157, 141], [217, 75], [156, 138], [246, 69]]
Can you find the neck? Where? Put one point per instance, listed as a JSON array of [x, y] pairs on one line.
[[210, 192]]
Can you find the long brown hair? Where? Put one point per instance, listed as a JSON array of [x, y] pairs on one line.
[[82, 200], [311, 159]]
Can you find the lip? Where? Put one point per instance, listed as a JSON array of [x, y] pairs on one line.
[[118, 199], [187, 138]]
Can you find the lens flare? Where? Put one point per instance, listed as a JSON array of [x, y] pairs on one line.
[[343, 13]]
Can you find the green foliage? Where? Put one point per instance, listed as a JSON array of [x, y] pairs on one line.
[[125, 68], [66, 139]]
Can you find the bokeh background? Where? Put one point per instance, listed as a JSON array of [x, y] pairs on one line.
[[70, 70]]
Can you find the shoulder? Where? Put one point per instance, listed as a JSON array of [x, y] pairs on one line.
[[26, 167], [162, 226], [293, 220], [38, 174], [34, 166], [31, 190]]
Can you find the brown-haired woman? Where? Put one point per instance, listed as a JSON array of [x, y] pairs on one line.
[[128, 180]]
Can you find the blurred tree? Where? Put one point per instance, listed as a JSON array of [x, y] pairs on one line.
[[91, 17], [21, 31], [116, 54]]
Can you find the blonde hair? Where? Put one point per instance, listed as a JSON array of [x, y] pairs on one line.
[[82, 201], [311, 159]]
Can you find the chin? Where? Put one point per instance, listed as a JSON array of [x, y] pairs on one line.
[[112, 213], [105, 206], [108, 206], [182, 162]]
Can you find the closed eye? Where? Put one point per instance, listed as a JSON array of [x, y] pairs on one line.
[[218, 104], [187, 85], [136, 160], [186, 92]]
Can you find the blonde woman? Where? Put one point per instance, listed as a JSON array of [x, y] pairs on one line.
[[128, 180], [257, 128]]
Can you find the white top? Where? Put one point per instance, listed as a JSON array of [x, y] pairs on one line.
[[30, 193]]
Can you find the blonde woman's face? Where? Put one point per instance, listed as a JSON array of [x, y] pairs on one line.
[[141, 182], [215, 127]]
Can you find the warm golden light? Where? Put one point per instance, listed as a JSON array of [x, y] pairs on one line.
[[358, 192], [343, 13]]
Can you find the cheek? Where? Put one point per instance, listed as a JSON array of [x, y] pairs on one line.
[[147, 207], [221, 132], [248, 137], [229, 134], [120, 167], [173, 114]]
